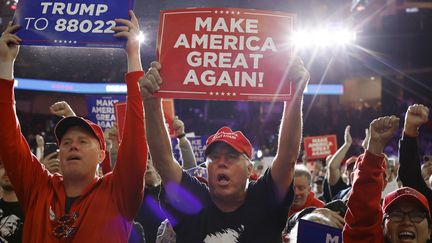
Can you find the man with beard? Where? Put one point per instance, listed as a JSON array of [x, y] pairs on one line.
[[11, 214]]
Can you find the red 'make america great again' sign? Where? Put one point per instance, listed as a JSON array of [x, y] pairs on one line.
[[319, 147], [225, 54]]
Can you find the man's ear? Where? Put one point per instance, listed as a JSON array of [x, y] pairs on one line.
[[250, 169], [101, 155]]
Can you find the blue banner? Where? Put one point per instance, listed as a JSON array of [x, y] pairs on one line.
[[71, 23], [120, 88], [198, 146], [321, 233], [176, 150], [100, 109]]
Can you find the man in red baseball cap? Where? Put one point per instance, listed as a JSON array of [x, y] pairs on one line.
[[230, 209], [404, 215], [77, 206]]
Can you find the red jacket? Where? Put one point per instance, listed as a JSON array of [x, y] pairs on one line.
[[364, 215], [311, 201], [109, 204]]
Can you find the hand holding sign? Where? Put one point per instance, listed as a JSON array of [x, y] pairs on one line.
[[129, 30], [333, 216], [9, 44]]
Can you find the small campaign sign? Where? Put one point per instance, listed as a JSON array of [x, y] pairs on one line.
[[321, 233], [100, 109], [319, 147], [167, 105], [198, 144], [71, 23], [225, 54]]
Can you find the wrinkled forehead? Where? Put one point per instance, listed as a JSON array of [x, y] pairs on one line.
[[301, 180], [221, 148]]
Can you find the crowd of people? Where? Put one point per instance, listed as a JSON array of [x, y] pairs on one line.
[[93, 188]]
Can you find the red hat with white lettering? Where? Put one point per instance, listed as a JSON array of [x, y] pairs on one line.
[[64, 124], [236, 140], [406, 193]]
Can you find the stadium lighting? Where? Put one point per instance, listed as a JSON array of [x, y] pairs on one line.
[[324, 37], [259, 154], [141, 37]]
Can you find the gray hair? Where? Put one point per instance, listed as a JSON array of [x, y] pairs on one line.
[[301, 170]]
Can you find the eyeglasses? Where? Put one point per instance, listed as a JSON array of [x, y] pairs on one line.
[[229, 157], [65, 226], [414, 216]]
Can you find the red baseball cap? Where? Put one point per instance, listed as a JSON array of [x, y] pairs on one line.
[[406, 193], [236, 140], [64, 124]]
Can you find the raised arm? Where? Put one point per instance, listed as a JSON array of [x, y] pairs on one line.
[[290, 133], [157, 133], [364, 215], [333, 170], [22, 167], [186, 151], [9, 47], [128, 174], [112, 140], [40, 146], [61, 109], [409, 159]]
